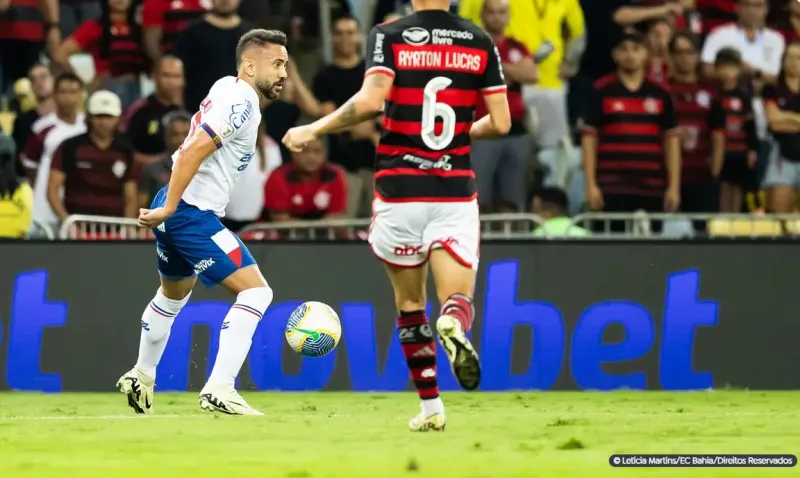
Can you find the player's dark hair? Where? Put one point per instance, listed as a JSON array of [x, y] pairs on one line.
[[342, 18], [71, 77], [728, 56], [553, 199], [682, 35], [258, 38], [174, 116]]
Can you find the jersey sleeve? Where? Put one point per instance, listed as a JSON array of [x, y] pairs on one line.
[[669, 120], [380, 56], [770, 95], [593, 118], [224, 117], [58, 162], [89, 33], [153, 13], [494, 81], [716, 116]]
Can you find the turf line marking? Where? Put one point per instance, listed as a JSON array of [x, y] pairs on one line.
[[103, 417]]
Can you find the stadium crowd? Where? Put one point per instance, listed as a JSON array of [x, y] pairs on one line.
[[617, 106]]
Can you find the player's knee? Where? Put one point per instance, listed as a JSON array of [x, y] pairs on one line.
[[170, 301], [259, 298]]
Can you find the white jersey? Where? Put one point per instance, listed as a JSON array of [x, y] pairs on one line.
[[230, 114]]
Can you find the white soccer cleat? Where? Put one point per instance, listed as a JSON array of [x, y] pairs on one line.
[[139, 388], [226, 400], [463, 359], [427, 423]]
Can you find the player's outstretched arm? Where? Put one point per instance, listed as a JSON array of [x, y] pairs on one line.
[[497, 122], [364, 105]]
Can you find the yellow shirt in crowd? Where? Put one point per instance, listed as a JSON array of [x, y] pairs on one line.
[[16, 212], [533, 21]]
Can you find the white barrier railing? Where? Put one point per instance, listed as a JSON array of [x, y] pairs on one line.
[[641, 225], [493, 226], [636, 225], [86, 227]]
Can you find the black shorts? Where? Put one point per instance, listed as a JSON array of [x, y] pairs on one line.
[[735, 171]]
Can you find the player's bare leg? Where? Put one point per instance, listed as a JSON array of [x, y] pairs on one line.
[[253, 296], [416, 340], [139, 382], [455, 284]]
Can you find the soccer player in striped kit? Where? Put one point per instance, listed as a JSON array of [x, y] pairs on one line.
[[429, 70]]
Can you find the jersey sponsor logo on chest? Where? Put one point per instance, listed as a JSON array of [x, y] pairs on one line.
[[467, 60]]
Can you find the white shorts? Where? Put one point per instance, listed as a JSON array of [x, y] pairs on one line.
[[403, 234]]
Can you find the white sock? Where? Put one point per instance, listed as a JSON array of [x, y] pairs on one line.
[[433, 406], [236, 335], [157, 322]]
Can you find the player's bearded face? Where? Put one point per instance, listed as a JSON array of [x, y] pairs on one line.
[[271, 74]]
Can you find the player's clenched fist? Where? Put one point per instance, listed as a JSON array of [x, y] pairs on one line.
[[297, 138], [151, 218]]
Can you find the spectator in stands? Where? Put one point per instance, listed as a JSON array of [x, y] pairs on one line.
[[95, 169], [26, 27], [540, 27], [76, 12], [738, 176], [307, 188], [247, 198], [114, 41], [48, 133], [701, 125], [142, 121], [336, 83], [16, 195], [175, 128], [385, 10], [638, 13], [790, 25], [629, 136], [163, 21], [782, 104], [216, 36], [501, 165], [552, 204], [659, 34], [42, 86], [761, 47]]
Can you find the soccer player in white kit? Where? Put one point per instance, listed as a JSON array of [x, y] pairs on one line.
[[191, 241]]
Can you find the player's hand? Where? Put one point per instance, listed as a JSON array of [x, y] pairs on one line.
[[672, 199], [151, 218], [594, 197], [297, 138]]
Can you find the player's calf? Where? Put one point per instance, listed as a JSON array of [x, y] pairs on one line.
[[138, 383], [419, 349], [457, 314]]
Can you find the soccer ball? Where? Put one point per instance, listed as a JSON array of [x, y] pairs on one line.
[[313, 329]]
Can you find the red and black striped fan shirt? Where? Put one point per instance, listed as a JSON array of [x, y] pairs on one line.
[[172, 16], [739, 120], [631, 127], [22, 20], [699, 115], [441, 65]]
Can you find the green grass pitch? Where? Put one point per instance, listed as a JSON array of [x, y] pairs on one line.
[[347, 435]]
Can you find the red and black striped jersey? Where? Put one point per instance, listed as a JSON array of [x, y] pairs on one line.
[[715, 13], [22, 20], [740, 125], [631, 127], [172, 16], [441, 65], [699, 114]]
